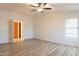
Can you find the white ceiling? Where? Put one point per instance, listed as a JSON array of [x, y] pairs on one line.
[[25, 8], [66, 7]]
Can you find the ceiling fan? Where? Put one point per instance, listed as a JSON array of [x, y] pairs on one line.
[[40, 7]]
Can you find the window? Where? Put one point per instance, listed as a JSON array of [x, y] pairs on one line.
[[71, 28]]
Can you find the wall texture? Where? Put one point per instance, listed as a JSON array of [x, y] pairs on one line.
[[51, 27], [27, 24]]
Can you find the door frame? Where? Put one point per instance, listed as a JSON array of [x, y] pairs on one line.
[[18, 30]]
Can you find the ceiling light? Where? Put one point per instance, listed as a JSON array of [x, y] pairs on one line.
[[39, 9]]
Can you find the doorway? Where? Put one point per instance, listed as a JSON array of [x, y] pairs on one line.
[[17, 31]]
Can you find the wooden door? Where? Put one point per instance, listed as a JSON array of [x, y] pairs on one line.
[[16, 33]]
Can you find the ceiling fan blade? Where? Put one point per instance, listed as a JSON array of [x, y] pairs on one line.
[[39, 4], [32, 6], [33, 10], [44, 4], [47, 8]]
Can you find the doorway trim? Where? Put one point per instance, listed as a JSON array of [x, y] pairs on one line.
[[19, 39]]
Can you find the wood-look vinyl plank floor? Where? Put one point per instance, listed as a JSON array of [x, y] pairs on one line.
[[35, 47]]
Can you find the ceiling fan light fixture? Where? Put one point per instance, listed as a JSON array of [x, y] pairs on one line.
[[39, 9]]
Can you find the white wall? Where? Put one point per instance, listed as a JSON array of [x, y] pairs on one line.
[[27, 24], [47, 26], [51, 27]]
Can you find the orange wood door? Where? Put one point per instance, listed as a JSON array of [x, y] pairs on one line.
[[15, 31]]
